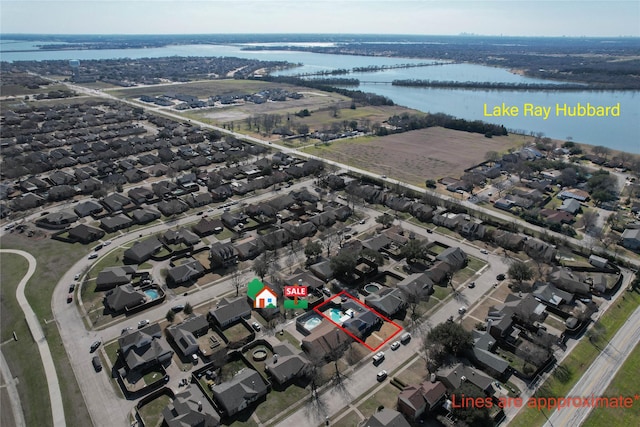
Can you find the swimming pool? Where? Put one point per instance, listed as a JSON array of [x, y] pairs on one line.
[[311, 323], [152, 294], [336, 314]]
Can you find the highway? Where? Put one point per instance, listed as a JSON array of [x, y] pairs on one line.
[[596, 379]]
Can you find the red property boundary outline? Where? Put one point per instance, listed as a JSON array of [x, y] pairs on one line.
[[317, 310]]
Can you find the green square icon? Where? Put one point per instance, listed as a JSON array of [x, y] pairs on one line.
[[291, 304]]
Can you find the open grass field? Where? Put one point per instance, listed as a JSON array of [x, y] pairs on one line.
[[54, 258], [418, 155]]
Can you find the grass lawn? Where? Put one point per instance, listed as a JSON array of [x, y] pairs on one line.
[[236, 332], [387, 396], [441, 292], [569, 371], [352, 419], [54, 259], [286, 336], [151, 413], [112, 352], [278, 401], [414, 373], [623, 384]]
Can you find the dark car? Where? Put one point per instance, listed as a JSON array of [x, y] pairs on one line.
[[95, 346], [69, 298], [500, 277], [71, 287], [177, 308], [97, 364]]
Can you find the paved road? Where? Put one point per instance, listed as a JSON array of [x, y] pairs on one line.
[[596, 379], [57, 409]]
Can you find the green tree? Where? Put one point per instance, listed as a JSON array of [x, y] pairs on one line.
[[188, 309], [385, 219], [470, 415], [312, 250], [414, 250], [453, 338], [261, 266], [520, 272], [344, 263], [171, 315]]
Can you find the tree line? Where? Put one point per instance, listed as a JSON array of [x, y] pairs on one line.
[[406, 122]]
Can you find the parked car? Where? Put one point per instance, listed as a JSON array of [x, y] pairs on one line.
[[256, 326], [97, 364], [107, 243], [93, 256], [429, 230], [500, 277], [143, 323], [395, 345], [177, 308], [326, 291], [405, 338], [472, 285], [381, 375], [378, 358], [362, 221], [484, 251], [76, 277], [71, 287], [95, 345], [462, 310], [125, 330], [69, 298]]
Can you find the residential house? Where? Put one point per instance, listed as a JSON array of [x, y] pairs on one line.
[[556, 217], [483, 345], [141, 195], [455, 257], [111, 277], [197, 200], [242, 390], [454, 375], [229, 311], [322, 270], [579, 195], [185, 334], [416, 286], [276, 239], [145, 215], [187, 272], [286, 365], [144, 348], [299, 230], [124, 297], [85, 234], [631, 239], [472, 230], [249, 248], [324, 340], [90, 207], [206, 227], [27, 201], [568, 281], [190, 408], [172, 207], [508, 240], [415, 400], [386, 418], [142, 251], [222, 255], [180, 236], [571, 206], [539, 250], [60, 219], [387, 301], [111, 224], [117, 202]]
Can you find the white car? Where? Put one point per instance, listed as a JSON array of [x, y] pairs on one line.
[[381, 375], [484, 251], [462, 310], [395, 345], [143, 323], [379, 357], [93, 256]]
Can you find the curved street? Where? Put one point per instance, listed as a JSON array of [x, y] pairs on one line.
[[57, 408]]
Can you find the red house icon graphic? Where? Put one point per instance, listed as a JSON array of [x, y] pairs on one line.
[[266, 298]]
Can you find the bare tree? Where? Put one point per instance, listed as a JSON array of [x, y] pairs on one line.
[[236, 282]]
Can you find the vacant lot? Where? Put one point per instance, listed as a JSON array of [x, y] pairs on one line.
[[417, 155]]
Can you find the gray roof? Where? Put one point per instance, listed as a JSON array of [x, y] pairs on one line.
[[288, 366], [230, 309], [190, 408], [125, 296], [114, 276], [455, 257], [246, 385], [387, 418], [142, 251], [387, 301]]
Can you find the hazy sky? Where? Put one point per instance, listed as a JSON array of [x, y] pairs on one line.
[[509, 17]]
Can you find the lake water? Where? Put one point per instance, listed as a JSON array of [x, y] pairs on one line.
[[621, 133]]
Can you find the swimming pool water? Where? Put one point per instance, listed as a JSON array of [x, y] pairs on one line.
[[152, 294], [311, 323], [335, 314]]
